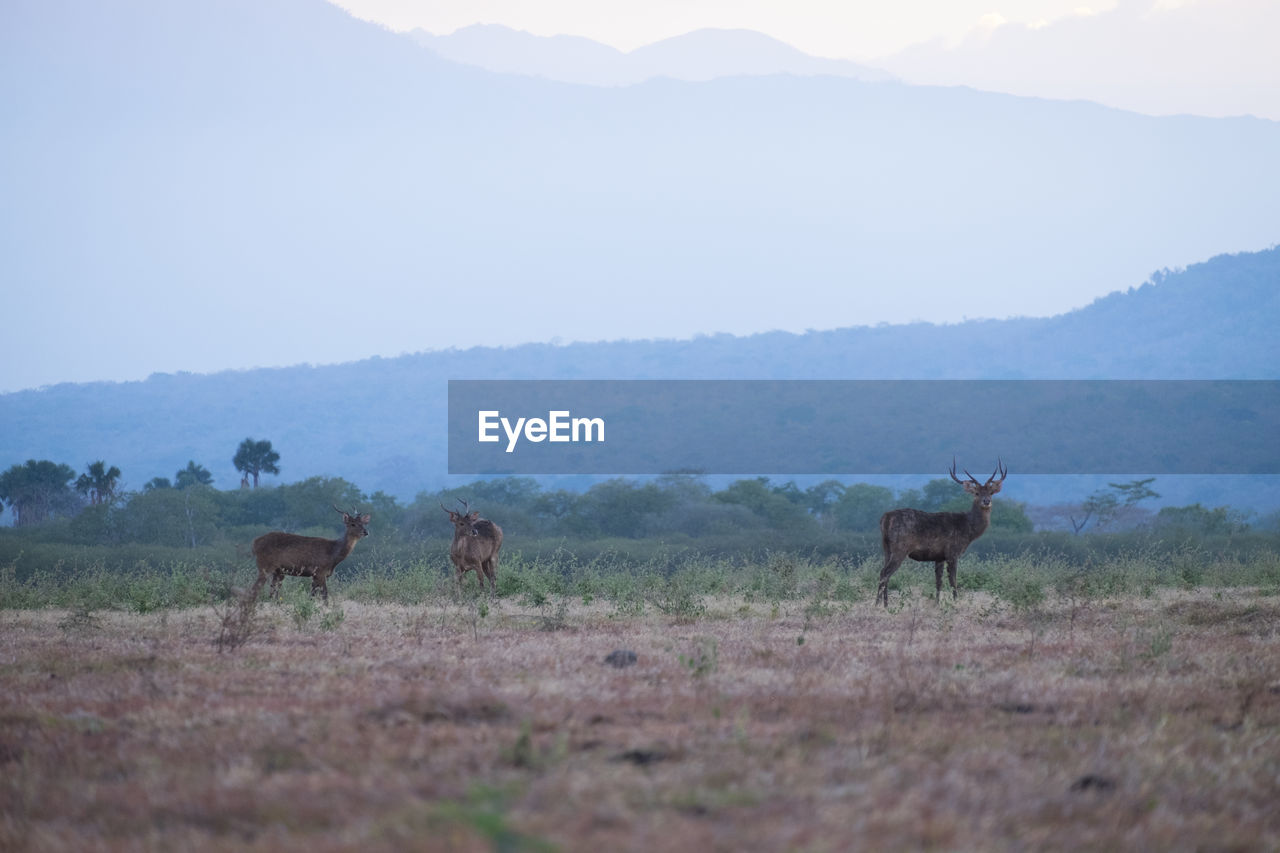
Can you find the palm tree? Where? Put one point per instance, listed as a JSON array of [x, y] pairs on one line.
[[192, 475], [37, 490], [99, 483], [256, 457]]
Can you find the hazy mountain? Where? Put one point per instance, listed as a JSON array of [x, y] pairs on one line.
[[1158, 58], [696, 56], [381, 422], [209, 185], [571, 59]]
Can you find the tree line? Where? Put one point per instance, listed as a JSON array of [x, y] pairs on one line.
[[188, 512], [40, 490]]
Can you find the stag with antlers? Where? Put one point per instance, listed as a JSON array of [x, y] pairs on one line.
[[476, 542], [279, 554], [937, 537]]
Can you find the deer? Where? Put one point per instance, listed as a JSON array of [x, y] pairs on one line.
[[279, 554], [476, 542], [937, 537]]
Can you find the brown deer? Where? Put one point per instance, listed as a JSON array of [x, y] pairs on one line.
[[279, 554], [937, 537], [476, 542]]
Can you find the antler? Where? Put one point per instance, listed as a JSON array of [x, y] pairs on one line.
[[446, 509], [466, 506], [1000, 469], [343, 511], [967, 474]]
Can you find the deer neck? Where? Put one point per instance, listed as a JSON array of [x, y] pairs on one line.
[[345, 544], [979, 518]]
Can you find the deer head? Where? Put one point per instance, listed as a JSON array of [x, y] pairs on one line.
[[464, 520], [981, 492], [357, 525]]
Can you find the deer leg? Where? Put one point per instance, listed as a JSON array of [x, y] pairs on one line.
[[319, 584], [891, 564], [937, 576], [490, 573], [276, 580], [951, 575]]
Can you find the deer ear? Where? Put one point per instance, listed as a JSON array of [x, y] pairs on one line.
[[996, 486], [364, 519], [971, 488], [474, 516]]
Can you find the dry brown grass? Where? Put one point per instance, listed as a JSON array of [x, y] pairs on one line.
[[1134, 724]]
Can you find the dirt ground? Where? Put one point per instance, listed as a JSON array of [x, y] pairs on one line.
[[1140, 724]]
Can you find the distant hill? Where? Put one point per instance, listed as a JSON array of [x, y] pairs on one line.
[[695, 56], [381, 422], [216, 184]]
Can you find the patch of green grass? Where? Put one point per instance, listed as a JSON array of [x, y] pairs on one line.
[[675, 583], [332, 619], [484, 812], [703, 657]]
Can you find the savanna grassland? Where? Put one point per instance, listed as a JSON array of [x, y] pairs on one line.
[[1035, 714]]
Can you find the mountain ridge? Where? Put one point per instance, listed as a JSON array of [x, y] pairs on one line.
[[697, 56], [203, 184], [380, 422]]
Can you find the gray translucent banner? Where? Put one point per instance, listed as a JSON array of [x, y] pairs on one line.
[[850, 427]]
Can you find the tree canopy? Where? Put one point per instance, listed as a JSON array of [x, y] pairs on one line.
[[98, 483], [38, 490], [192, 475], [255, 458]]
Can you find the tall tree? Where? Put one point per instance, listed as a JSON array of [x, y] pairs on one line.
[[861, 505], [756, 495], [256, 457], [37, 489], [940, 492], [192, 475], [823, 496], [1106, 506], [98, 483]]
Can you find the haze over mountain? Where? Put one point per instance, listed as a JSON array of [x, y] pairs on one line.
[[1158, 57], [1214, 58], [697, 56], [381, 423], [210, 185]]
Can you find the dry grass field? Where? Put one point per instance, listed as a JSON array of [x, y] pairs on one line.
[[1136, 723]]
